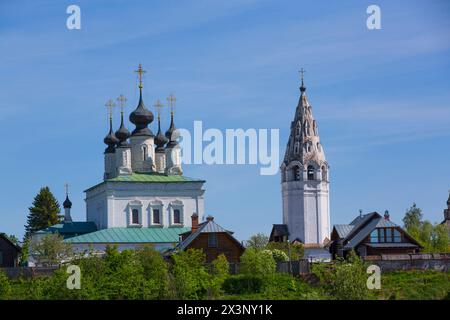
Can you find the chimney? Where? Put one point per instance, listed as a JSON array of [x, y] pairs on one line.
[[209, 218], [386, 215], [194, 218]]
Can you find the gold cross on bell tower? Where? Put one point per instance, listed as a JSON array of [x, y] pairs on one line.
[[122, 101], [158, 107], [140, 73], [110, 105], [171, 99]]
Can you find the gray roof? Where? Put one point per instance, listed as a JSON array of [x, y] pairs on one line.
[[343, 229], [279, 230], [361, 234], [383, 223], [208, 226]]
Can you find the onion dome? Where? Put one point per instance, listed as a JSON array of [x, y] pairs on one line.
[[122, 134], [172, 133], [67, 204], [110, 139], [160, 139], [141, 117]]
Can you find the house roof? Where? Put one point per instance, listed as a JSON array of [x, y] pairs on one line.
[[131, 235], [355, 232], [5, 237], [149, 178], [392, 245], [209, 226], [279, 230], [70, 228]]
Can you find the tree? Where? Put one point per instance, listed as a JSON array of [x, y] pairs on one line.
[[441, 239], [220, 270], [294, 251], [257, 262], [5, 287], [279, 256], [44, 212], [190, 278], [51, 250], [413, 220], [257, 241]]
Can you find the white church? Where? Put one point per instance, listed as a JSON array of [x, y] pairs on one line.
[[305, 186], [144, 196]]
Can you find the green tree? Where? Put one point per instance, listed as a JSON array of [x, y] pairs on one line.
[[257, 241], [413, 220], [44, 212], [51, 250], [220, 271], [155, 272], [257, 262], [440, 239], [190, 278], [279, 255], [295, 251]]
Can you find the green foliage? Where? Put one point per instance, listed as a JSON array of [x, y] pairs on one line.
[[190, 278], [295, 251], [257, 241], [243, 284], [43, 213], [51, 250], [220, 271], [257, 262], [344, 279], [279, 256], [5, 287], [433, 237]]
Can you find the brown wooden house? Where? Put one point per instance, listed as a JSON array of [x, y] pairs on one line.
[[371, 234], [9, 253], [212, 239]]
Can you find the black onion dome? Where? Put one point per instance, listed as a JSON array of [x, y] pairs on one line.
[[160, 139], [110, 139], [122, 134], [67, 204], [141, 117], [171, 134]]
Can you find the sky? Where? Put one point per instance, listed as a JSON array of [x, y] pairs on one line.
[[381, 98]]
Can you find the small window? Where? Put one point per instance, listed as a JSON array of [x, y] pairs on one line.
[[374, 236], [176, 216], [144, 152], [156, 216], [397, 236], [212, 240], [389, 235], [381, 235], [296, 147], [310, 173], [296, 172], [135, 216], [298, 131]]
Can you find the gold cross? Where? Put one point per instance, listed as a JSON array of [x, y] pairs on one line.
[[171, 99], [140, 72], [302, 73], [66, 186], [110, 105], [122, 101], [158, 107]]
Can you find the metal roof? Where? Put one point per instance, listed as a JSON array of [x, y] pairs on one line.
[[208, 226], [66, 229], [343, 229], [149, 178], [383, 223], [131, 235], [361, 234]]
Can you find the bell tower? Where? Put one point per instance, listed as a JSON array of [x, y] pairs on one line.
[[305, 178]]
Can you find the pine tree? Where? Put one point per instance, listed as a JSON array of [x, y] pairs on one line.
[[44, 212]]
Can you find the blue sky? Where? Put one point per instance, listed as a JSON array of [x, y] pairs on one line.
[[381, 97]]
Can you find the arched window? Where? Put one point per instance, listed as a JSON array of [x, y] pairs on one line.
[[298, 130], [144, 153], [307, 129], [296, 173], [310, 173], [296, 147], [135, 216], [176, 216]]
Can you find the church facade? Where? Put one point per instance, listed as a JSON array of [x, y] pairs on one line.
[[304, 182]]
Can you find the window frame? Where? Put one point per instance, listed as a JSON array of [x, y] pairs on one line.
[[213, 240]]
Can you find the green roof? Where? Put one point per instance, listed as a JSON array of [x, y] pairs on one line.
[[132, 235], [67, 229], [149, 178]]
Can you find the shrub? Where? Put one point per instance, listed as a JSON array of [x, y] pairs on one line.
[[279, 256], [5, 286], [257, 262], [243, 284], [295, 251]]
